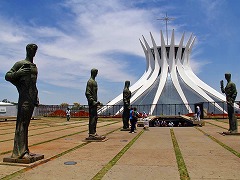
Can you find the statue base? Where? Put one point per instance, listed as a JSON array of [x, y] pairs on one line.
[[96, 139], [33, 158], [231, 133], [127, 129]]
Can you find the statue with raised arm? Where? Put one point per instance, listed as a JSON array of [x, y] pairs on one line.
[[93, 103], [231, 94], [23, 75], [126, 105]]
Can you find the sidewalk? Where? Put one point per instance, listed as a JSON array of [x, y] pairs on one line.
[[143, 155]]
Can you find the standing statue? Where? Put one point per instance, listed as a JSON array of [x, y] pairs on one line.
[[126, 105], [24, 76], [93, 103], [231, 94]]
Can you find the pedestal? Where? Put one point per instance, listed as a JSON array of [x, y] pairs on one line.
[[90, 139], [231, 133], [127, 129], [32, 159]]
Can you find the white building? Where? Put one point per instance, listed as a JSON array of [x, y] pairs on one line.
[[168, 85], [8, 109]]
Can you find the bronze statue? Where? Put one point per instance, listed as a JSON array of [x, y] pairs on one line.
[[231, 94], [24, 76], [126, 105], [93, 103]]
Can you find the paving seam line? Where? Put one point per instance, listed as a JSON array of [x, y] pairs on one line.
[[216, 125], [68, 135], [226, 122], [51, 158], [183, 172], [220, 143], [111, 163], [42, 128], [48, 132]]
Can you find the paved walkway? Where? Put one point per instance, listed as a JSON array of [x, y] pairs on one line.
[[205, 153]]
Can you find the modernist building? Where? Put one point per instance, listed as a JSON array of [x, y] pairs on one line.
[[168, 85]]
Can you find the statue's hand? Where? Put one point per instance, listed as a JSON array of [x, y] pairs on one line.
[[221, 83], [222, 86], [23, 71], [37, 102]]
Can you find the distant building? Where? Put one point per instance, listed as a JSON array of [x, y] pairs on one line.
[[8, 109]]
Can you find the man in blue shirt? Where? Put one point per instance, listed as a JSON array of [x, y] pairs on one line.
[[133, 119]]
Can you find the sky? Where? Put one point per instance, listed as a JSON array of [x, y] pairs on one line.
[[74, 36]]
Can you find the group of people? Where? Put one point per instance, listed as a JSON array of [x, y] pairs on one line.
[[163, 123]]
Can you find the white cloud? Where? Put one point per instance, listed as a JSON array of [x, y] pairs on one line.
[[67, 54]]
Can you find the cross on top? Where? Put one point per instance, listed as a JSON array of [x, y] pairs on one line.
[[166, 19]]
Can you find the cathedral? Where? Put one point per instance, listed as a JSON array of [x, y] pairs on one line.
[[169, 86]]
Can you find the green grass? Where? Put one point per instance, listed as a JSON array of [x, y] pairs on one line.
[[180, 161], [216, 125], [220, 143], [110, 164], [68, 135], [52, 158]]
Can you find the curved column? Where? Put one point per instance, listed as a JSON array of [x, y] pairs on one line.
[[164, 70], [149, 68], [191, 84], [173, 70], [150, 80], [199, 82]]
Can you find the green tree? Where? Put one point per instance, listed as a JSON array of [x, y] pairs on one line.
[[76, 106], [64, 104]]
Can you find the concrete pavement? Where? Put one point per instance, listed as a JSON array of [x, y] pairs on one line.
[[144, 155]]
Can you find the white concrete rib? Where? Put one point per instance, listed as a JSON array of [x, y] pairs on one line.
[[199, 82], [188, 79], [148, 83], [173, 72], [138, 84], [151, 66], [164, 70]]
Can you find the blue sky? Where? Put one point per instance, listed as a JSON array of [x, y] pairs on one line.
[[75, 36]]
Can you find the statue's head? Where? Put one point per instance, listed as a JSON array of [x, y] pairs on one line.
[[228, 76], [127, 84], [31, 49], [94, 72]]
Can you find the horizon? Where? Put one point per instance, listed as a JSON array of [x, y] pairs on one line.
[[74, 36]]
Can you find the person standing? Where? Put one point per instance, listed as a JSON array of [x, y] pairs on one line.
[[23, 75], [68, 114], [198, 113], [93, 103], [133, 119]]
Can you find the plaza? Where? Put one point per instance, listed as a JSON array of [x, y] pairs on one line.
[[160, 153]]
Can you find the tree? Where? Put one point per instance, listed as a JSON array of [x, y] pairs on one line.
[[64, 104], [76, 106]]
